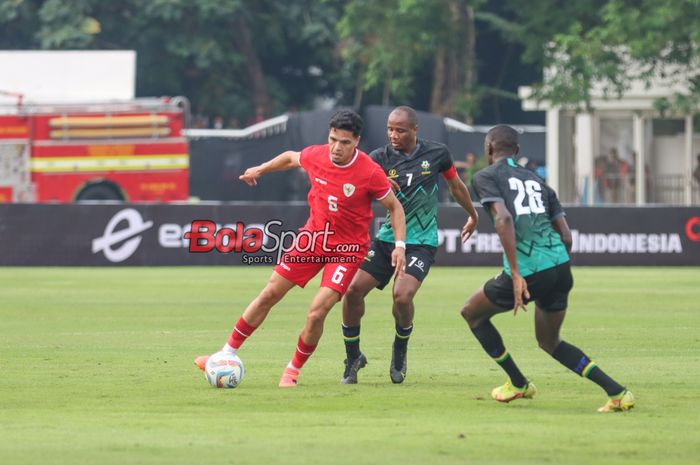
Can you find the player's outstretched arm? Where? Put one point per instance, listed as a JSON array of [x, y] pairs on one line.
[[282, 162], [398, 225], [461, 194], [503, 221]]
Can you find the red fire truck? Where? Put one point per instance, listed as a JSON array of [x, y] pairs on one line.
[[133, 151]]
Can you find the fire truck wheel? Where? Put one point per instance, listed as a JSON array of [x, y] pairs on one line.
[[99, 191]]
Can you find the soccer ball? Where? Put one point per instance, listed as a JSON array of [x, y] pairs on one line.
[[224, 370]]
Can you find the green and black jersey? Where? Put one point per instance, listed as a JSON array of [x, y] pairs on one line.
[[417, 175], [533, 205]]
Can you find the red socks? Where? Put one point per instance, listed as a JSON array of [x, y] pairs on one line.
[[243, 331], [302, 354], [240, 333]]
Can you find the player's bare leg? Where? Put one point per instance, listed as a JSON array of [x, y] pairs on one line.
[[321, 305], [403, 292], [478, 309], [353, 311], [253, 316], [547, 327], [354, 300], [477, 312]]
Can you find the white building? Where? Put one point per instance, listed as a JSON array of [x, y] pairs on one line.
[[660, 150]]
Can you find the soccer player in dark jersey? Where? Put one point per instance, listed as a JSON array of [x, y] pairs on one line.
[[536, 242], [344, 182], [415, 166]]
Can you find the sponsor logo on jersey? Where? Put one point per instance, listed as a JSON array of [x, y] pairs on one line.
[[414, 262], [393, 174], [320, 181], [425, 165], [348, 189]]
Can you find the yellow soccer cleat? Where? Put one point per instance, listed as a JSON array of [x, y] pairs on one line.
[[619, 403], [508, 392]]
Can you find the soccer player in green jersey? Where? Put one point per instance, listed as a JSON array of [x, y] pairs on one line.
[[536, 242], [415, 166]]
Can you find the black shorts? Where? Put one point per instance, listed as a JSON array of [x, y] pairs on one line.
[[548, 288], [377, 262]]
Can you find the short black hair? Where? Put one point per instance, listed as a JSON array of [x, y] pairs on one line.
[[503, 138], [410, 114], [347, 120]]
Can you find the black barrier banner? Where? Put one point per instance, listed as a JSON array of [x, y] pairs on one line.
[[154, 234], [601, 236]]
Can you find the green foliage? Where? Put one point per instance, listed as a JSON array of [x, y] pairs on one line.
[[625, 41], [388, 41], [189, 48], [390, 51], [66, 24], [398, 47], [18, 21]]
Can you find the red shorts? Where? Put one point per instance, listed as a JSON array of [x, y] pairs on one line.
[[338, 270]]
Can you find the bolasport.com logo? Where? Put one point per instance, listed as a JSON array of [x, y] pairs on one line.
[[259, 243], [206, 236]]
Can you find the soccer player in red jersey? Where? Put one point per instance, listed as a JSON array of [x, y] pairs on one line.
[[344, 182]]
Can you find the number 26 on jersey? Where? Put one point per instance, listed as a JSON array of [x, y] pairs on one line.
[[528, 198]]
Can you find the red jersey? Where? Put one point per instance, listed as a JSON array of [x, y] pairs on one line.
[[342, 195]]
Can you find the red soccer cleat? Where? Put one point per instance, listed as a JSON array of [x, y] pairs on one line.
[[201, 361], [289, 378]]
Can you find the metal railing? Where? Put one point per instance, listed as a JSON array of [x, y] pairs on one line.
[[276, 125], [661, 189]]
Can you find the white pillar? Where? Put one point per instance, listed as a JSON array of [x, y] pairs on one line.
[[552, 156], [585, 157], [639, 139], [688, 170]]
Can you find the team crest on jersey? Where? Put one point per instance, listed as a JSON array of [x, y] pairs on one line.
[[393, 173], [348, 189], [426, 167]]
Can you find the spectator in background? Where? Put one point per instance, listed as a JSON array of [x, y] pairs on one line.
[[469, 167], [536, 168], [611, 177], [541, 171], [232, 123], [199, 119], [218, 122], [601, 185], [626, 182], [259, 114]]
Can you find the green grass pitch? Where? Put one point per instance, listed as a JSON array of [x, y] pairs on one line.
[[96, 368]]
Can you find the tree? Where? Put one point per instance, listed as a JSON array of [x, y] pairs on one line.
[[612, 45], [454, 89], [387, 43], [228, 56]]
